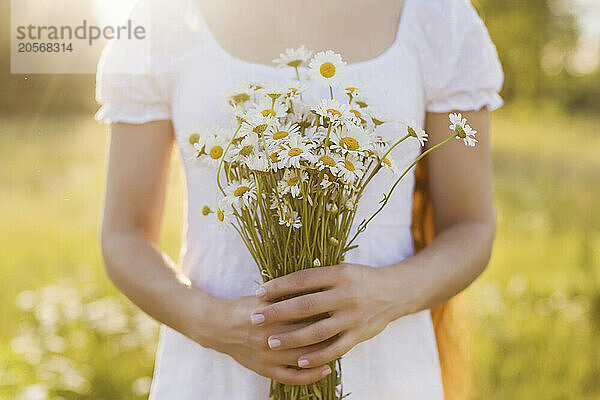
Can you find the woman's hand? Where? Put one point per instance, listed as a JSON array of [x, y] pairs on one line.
[[359, 300], [232, 332]]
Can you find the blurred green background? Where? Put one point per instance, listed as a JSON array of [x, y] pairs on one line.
[[67, 333]]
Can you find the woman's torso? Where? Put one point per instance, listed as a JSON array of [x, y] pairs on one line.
[[402, 360]]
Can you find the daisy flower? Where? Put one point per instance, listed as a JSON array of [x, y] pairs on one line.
[[327, 68], [293, 90], [210, 149], [351, 138], [351, 90], [295, 150], [293, 57], [388, 164], [289, 217], [378, 117], [359, 115], [244, 92], [462, 130], [257, 162], [224, 214], [290, 183], [257, 123], [414, 130], [281, 132], [303, 115], [351, 168], [241, 193], [276, 160], [327, 182], [268, 107], [328, 162], [334, 111]]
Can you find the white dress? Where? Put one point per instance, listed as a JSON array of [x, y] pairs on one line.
[[442, 59]]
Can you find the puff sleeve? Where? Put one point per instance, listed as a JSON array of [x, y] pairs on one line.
[[128, 88], [459, 62]]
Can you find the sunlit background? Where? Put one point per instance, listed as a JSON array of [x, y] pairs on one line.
[[67, 333]]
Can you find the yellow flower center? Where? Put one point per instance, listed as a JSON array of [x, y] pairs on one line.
[[206, 210], [351, 89], [349, 166], [260, 128], [280, 135], [239, 192], [292, 90], [246, 150], [327, 161], [334, 112], [274, 157], [293, 181], [220, 215], [387, 162], [327, 70], [216, 152], [295, 63], [295, 151], [240, 98], [356, 113], [349, 143], [268, 112], [194, 138]]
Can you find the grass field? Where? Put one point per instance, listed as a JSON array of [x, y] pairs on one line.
[[66, 331]]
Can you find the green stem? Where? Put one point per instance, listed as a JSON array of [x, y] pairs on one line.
[[363, 225], [223, 158]]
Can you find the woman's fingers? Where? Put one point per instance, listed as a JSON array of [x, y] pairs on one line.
[[300, 281], [343, 344], [314, 333], [291, 376], [298, 308], [289, 357]]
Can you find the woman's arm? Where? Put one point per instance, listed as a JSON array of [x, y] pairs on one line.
[[135, 192], [362, 300]]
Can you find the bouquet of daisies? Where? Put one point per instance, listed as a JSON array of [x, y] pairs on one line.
[[292, 171]]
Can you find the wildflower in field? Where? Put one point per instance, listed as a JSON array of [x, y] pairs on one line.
[[462, 130], [241, 194], [327, 68], [293, 57]]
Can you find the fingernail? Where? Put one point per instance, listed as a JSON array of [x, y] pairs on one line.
[[260, 292], [303, 362], [326, 371], [274, 343], [257, 318]]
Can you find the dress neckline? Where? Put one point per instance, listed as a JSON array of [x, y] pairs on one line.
[[365, 63]]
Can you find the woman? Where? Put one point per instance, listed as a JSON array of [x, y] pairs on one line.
[[221, 336]]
